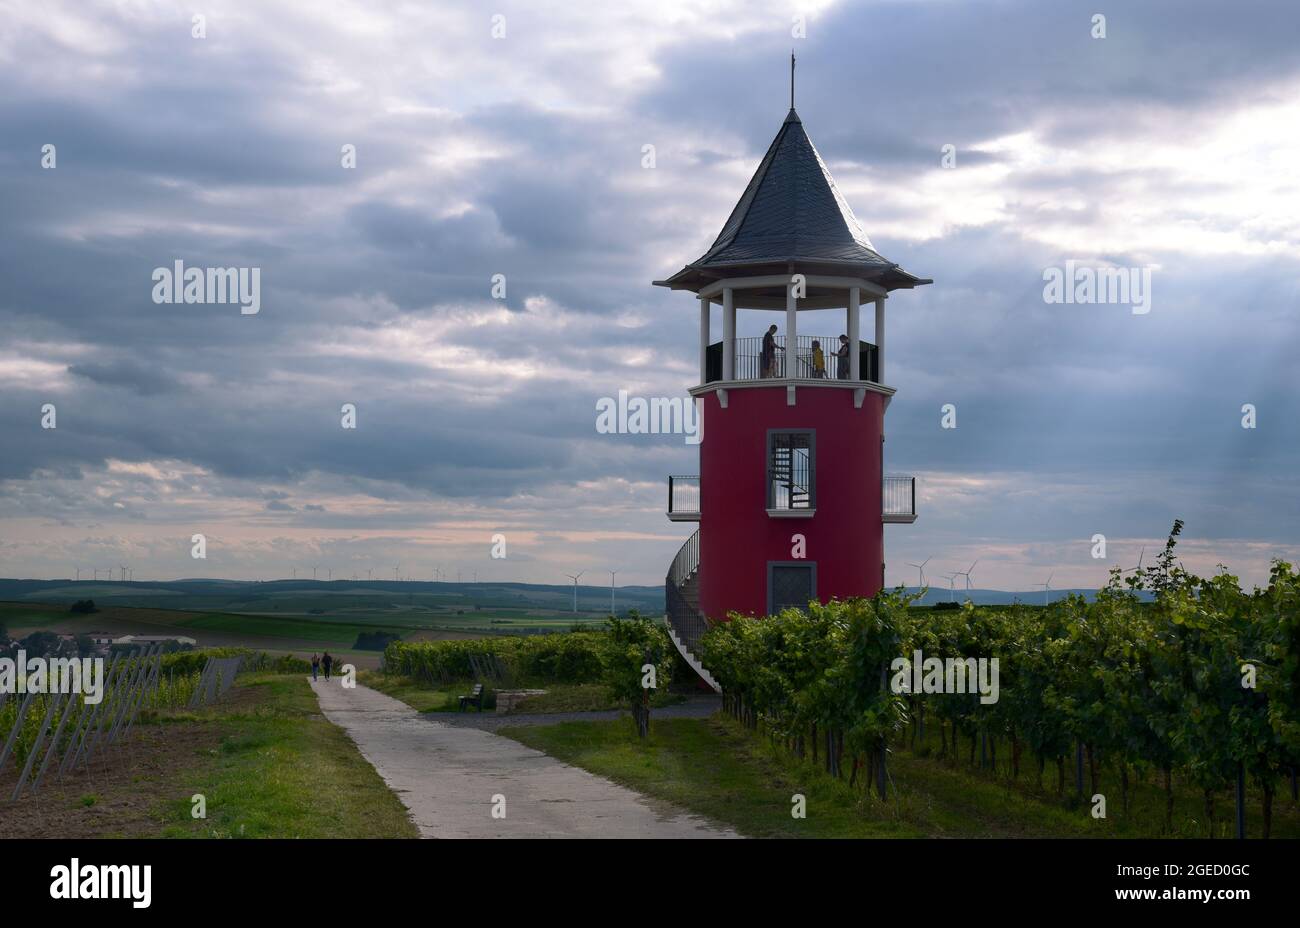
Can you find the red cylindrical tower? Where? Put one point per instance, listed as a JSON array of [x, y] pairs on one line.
[[762, 558], [791, 497]]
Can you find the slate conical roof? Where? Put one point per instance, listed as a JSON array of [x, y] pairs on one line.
[[792, 213]]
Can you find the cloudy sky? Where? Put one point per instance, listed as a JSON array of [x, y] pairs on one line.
[[1172, 143]]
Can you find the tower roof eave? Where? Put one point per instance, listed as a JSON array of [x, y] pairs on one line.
[[791, 216], [890, 276]]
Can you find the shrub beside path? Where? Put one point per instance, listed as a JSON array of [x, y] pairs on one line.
[[448, 776]]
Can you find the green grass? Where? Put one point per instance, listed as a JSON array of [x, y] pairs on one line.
[[709, 767], [333, 619], [282, 770], [419, 696], [303, 629], [1146, 813], [716, 768], [27, 615]]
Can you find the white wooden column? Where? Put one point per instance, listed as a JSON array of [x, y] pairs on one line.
[[728, 334], [704, 339], [855, 303], [791, 333], [880, 340]]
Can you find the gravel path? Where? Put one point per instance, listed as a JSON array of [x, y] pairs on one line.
[[695, 707], [456, 779]]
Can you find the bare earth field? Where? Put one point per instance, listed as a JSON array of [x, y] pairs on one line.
[[266, 761], [118, 795]]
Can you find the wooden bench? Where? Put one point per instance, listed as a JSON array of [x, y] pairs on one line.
[[475, 697]]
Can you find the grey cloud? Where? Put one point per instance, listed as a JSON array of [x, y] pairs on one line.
[[233, 160], [127, 374]]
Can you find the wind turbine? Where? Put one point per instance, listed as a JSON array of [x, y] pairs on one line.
[[920, 570], [396, 568], [78, 574], [574, 578], [1138, 567], [966, 573], [370, 573], [1047, 587], [329, 572], [313, 572], [611, 592], [952, 597], [122, 567]]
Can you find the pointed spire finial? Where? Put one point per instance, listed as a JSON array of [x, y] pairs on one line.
[[792, 78]]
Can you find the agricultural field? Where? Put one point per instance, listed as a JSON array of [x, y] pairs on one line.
[[305, 616], [261, 755], [276, 634], [279, 632], [580, 671], [1133, 697], [419, 607]]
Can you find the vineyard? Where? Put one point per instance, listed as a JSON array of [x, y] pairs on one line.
[[56, 734], [575, 657], [1200, 685]]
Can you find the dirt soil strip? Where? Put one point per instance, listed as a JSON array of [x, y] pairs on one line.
[[124, 791], [448, 777]]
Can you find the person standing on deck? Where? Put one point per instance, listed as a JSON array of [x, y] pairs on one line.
[[842, 359], [770, 348], [818, 361]]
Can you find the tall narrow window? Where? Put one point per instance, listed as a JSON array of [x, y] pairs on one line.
[[791, 470]]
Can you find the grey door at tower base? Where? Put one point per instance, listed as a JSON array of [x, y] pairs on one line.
[[790, 584]]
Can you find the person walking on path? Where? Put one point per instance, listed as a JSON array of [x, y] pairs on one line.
[[315, 665], [327, 662]]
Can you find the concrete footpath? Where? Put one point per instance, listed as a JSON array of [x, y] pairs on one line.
[[448, 777]]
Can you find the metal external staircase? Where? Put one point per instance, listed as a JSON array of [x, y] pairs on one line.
[[686, 624]]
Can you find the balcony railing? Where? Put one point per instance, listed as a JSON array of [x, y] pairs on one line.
[[803, 365], [898, 498], [684, 498]]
